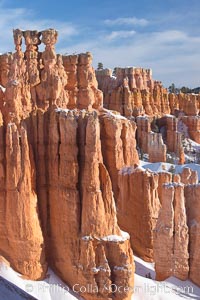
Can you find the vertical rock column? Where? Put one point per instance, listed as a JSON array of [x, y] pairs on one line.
[[118, 145], [157, 150], [193, 124], [17, 89], [51, 90], [138, 207], [171, 235], [143, 130], [23, 244], [88, 94], [192, 193], [32, 40], [83, 241]]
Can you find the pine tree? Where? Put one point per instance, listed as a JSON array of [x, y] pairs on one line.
[[100, 66]]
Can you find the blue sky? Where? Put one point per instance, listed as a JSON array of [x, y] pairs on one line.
[[160, 34]]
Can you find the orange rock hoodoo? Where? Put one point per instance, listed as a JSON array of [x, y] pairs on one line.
[[57, 202]]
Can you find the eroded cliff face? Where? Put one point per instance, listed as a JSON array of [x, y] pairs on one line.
[[21, 238], [67, 217], [171, 235], [77, 204], [57, 203], [192, 208], [37, 79], [138, 207], [133, 92], [64, 159], [118, 145]]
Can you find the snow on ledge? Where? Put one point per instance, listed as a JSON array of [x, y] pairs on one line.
[[59, 109], [3, 88], [116, 238], [130, 170], [116, 116]]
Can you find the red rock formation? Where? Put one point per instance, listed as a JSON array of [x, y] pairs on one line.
[[118, 145], [171, 130], [157, 150], [37, 79], [143, 130], [5, 63], [76, 203], [21, 238], [188, 176], [173, 103], [189, 104], [82, 83], [193, 124], [192, 205], [164, 177], [17, 93], [53, 77], [53, 173], [133, 92], [171, 235], [138, 217], [174, 138]]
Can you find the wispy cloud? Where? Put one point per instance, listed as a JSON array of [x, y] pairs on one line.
[[121, 34], [126, 21]]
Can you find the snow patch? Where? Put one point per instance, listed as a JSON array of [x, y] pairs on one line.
[[116, 116], [59, 109], [52, 288], [125, 235], [166, 167], [130, 170], [172, 288], [3, 88], [115, 238]]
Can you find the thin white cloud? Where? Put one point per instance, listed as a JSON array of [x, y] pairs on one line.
[[121, 34], [126, 21]]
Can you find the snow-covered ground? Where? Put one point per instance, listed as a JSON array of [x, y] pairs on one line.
[[52, 288], [167, 167], [170, 289]]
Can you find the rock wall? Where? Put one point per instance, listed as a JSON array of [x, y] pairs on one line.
[[118, 145], [174, 138], [138, 206], [40, 79], [21, 237], [176, 237], [55, 182], [157, 150], [192, 207], [68, 215], [133, 92], [143, 130], [82, 84], [171, 235], [193, 125]]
